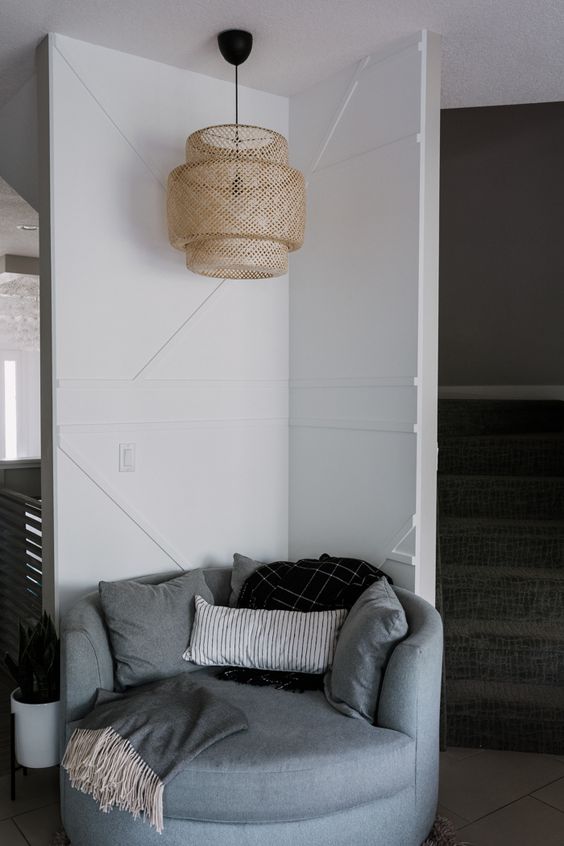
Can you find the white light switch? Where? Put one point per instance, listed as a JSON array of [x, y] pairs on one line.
[[126, 458]]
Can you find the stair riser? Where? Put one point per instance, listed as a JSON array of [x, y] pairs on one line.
[[490, 549], [499, 418], [487, 599], [499, 497], [502, 595], [546, 459], [511, 660], [494, 725]]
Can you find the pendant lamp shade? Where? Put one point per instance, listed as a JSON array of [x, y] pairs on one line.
[[236, 207]]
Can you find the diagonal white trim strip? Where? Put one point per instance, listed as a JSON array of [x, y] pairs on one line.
[[156, 177], [109, 117], [107, 489], [411, 138], [338, 115], [177, 331]]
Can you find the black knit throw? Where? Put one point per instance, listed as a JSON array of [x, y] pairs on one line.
[[311, 584]]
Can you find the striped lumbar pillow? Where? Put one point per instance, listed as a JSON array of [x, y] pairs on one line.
[[290, 641]]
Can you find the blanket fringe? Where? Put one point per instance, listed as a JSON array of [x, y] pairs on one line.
[[104, 764]]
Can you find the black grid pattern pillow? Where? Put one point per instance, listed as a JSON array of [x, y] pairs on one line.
[[289, 641]]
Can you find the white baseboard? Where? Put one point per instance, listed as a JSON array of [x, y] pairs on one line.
[[508, 392]]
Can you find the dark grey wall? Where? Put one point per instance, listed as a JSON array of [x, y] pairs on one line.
[[21, 476], [502, 246]]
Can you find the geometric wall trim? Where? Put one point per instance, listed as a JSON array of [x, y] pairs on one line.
[[140, 520], [363, 313], [361, 425], [192, 371], [154, 357]]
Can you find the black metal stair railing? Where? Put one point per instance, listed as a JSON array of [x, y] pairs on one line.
[[21, 572]]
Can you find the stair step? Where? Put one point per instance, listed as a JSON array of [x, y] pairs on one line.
[[501, 651], [503, 593], [513, 455], [522, 717], [481, 417], [501, 496], [489, 543]]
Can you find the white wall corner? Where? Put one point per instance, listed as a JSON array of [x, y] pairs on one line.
[[428, 317]]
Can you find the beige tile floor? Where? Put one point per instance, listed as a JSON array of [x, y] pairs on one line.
[[34, 816], [503, 798], [492, 798]]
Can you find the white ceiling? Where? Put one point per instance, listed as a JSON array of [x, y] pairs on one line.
[[494, 51]]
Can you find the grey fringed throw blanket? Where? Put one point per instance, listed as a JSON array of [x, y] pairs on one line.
[[125, 751]]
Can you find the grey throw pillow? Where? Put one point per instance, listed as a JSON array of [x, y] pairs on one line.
[[375, 624], [150, 625], [243, 567]]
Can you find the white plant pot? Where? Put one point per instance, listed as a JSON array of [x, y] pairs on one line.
[[37, 732]]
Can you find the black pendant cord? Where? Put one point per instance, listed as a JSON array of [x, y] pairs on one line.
[[235, 46]]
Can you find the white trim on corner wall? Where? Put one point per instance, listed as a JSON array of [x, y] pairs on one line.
[[523, 392]]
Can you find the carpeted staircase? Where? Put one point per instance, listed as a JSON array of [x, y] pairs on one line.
[[501, 577]]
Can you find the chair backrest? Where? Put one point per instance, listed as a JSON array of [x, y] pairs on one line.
[[219, 582]]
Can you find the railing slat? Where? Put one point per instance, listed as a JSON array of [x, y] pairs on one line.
[[21, 573]]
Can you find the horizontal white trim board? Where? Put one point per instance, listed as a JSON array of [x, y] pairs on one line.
[[396, 426], [168, 425], [235, 384], [524, 392], [355, 382], [165, 384], [401, 558]]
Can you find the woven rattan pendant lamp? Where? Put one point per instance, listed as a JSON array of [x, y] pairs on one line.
[[236, 208]]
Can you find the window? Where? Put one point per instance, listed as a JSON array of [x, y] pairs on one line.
[[10, 411]]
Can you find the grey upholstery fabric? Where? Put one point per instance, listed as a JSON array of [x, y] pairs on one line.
[[409, 705], [391, 821], [167, 723], [375, 624], [299, 759], [410, 696], [150, 625], [278, 640], [242, 569]]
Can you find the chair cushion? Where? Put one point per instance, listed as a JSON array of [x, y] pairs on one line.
[[300, 759], [243, 567], [375, 624], [150, 625], [288, 641]]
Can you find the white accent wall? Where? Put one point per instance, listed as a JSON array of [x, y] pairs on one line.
[[195, 372], [192, 371], [363, 314]]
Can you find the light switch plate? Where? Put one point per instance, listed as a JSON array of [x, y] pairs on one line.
[[127, 458]]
